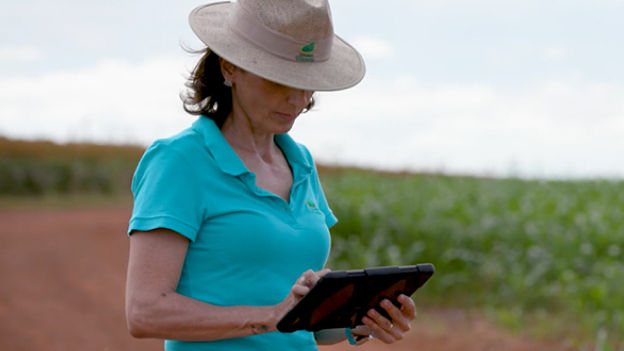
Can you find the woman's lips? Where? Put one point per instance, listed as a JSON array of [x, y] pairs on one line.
[[286, 116]]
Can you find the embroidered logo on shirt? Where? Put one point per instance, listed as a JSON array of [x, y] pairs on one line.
[[312, 205]]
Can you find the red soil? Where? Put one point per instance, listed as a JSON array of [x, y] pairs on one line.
[[63, 276]]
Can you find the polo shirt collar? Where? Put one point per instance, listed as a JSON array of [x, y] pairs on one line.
[[225, 157], [300, 164], [229, 162]]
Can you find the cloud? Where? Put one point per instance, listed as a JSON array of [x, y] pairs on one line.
[[555, 53], [552, 129], [112, 101], [374, 48], [20, 54]]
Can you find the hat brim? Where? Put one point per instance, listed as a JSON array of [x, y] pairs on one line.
[[344, 68]]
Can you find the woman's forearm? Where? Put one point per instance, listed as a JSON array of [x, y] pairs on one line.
[[177, 317]]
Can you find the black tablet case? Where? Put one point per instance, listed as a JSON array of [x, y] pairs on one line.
[[341, 298]]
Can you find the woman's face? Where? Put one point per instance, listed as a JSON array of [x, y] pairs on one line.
[[269, 107]]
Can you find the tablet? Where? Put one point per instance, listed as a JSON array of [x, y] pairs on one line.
[[341, 298]]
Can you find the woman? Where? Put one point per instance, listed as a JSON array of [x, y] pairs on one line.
[[230, 225]]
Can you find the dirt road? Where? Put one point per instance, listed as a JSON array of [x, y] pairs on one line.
[[63, 275]]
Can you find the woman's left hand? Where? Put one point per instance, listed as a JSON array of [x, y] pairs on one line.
[[393, 329]]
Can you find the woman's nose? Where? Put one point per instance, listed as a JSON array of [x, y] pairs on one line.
[[299, 97]]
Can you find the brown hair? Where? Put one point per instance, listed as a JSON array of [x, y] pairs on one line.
[[206, 94]]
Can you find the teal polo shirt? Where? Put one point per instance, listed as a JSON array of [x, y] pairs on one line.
[[247, 245]]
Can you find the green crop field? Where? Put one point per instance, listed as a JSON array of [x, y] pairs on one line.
[[41, 168], [536, 256], [545, 254]]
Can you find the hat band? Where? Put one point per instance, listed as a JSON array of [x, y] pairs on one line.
[[276, 43]]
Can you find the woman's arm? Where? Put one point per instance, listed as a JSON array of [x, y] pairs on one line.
[[155, 310]]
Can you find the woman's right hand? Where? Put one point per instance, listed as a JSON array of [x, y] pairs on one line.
[[299, 289]]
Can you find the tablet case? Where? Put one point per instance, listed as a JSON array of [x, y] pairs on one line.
[[341, 298]]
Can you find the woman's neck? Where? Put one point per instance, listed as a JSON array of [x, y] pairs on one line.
[[246, 140]]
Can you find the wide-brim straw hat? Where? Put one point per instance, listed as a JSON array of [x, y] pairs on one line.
[[290, 42]]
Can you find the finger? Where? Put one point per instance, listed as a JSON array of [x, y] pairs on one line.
[[380, 332], [302, 285], [408, 307], [307, 278], [322, 272], [312, 279], [380, 319], [386, 324], [397, 318], [315, 276], [299, 290]]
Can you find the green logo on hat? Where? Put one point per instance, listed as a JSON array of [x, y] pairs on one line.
[[306, 49], [305, 53]]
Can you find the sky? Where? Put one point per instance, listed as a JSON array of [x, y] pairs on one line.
[[531, 88]]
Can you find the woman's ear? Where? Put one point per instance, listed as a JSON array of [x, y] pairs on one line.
[[227, 69]]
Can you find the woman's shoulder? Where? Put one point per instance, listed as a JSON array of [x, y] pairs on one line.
[[186, 141], [180, 149]]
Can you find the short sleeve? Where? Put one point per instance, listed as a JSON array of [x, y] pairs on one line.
[[166, 192]]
